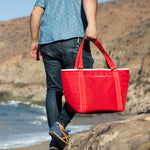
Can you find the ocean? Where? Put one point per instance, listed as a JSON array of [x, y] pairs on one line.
[[24, 124]]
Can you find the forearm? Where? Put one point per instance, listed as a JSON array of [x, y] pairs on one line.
[[35, 21], [90, 8]]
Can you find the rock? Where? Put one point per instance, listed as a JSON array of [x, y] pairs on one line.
[[34, 93], [21, 71], [130, 134]]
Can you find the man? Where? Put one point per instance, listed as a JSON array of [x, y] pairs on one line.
[[63, 25]]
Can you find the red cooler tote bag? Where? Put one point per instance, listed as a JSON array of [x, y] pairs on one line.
[[95, 90]]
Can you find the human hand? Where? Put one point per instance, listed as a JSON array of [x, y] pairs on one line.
[[35, 51], [91, 33]]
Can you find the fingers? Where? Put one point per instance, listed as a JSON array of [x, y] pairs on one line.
[[35, 51], [89, 38], [34, 54], [91, 33]]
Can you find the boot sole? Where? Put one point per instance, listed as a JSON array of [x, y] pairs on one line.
[[53, 148], [58, 139]]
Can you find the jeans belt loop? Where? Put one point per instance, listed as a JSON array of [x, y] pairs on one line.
[[78, 42]]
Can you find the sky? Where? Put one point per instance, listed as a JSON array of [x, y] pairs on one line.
[[10, 9]]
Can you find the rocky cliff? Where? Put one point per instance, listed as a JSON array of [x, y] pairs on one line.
[[130, 134], [124, 31]]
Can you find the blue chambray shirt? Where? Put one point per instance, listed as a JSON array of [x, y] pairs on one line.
[[62, 20]]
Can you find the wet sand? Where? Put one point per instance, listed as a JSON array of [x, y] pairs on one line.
[[42, 146]]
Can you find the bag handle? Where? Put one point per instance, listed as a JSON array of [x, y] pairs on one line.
[[79, 60]]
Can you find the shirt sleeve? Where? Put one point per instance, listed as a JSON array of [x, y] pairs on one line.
[[40, 3]]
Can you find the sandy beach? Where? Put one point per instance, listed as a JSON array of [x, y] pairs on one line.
[[42, 146]]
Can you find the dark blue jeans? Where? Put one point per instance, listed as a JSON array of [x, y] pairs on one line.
[[56, 56]]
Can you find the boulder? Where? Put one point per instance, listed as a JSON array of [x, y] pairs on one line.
[[130, 134]]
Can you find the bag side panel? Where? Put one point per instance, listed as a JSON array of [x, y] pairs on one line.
[[124, 83], [70, 83]]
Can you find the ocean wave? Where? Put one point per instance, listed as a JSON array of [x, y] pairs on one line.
[[17, 103], [14, 103], [40, 120], [23, 140], [38, 106]]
